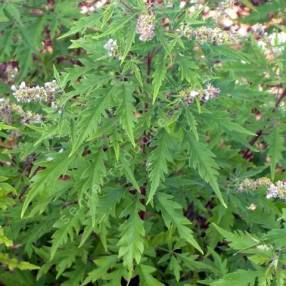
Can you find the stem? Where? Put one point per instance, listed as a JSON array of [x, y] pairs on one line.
[[247, 153], [142, 214], [279, 99], [149, 66], [149, 59]]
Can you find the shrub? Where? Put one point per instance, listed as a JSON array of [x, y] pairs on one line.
[[155, 157]]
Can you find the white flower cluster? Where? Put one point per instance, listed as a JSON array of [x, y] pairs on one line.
[[273, 44], [277, 190], [29, 117], [51, 87], [259, 29], [8, 71], [11, 72], [111, 47], [26, 117], [146, 27], [226, 15], [5, 110], [251, 185], [274, 190], [205, 34], [189, 96], [209, 92], [26, 94], [89, 7]]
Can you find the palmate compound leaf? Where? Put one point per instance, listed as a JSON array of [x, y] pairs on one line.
[[129, 172], [238, 278], [68, 226], [129, 39], [106, 269], [146, 277], [173, 215], [103, 264], [47, 178], [175, 268], [14, 263], [159, 76], [202, 160], [132, 232], [97, 174], [115, 277], [90, 119], [192, 123], [238, 240], [4, 239], [113, 28], [158, 162], [98, 171], [6, 198], [75, 276], [105, 203], [127, 112], [276, 147], [67, 258]]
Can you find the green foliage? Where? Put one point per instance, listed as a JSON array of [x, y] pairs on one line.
[[238, 278], [172, 215], [158, 160], [203, 161], [5, 259], [132, 174], [238, 241], [276, 148], [131, 243]]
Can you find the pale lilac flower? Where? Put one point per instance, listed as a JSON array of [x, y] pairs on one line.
[[252, 185], [7, 109], [277, 190], [183, 4], [278, 42], [51, 87], [259, 29], [210, 92], [146, 27], [189, 96], [87, 8], [11, 73], [29, 118], [26, 94], [111, 47], [84, 9], [272, 192], [205, 34]]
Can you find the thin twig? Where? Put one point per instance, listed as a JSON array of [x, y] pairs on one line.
[[149, 66], [246, 154], [279, 99]]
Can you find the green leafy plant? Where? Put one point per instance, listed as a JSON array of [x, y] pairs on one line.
[[156, 157]]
